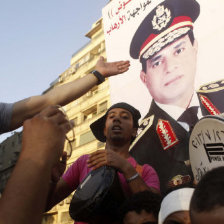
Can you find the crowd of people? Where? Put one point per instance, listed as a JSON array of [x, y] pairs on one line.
[[153, 168]]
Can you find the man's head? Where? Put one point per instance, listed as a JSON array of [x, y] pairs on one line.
[[207, 203], [165, 45], [120, 123], [175, 207], [140, 208]]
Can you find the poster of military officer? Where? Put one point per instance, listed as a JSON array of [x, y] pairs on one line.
[[177, 54]]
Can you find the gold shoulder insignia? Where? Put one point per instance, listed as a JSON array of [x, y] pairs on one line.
[[208, 105], [212, 87], [166, 134], [144, 125]]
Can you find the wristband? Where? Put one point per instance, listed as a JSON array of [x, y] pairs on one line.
[[99, 76], [132, 177]]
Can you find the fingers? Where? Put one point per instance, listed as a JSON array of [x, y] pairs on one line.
[[123, 66], [49, 111], [97, 159], [108, 69], [97, 156], [45, 135], [58, 117], [97, 163]]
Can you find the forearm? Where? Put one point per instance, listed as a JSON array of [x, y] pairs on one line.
[[60, 95], [68, 92], [137, 184], [64, 94], [25, 194], [57, 193]]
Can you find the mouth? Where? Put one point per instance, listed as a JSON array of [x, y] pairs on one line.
[[173, 80], [116, 128]]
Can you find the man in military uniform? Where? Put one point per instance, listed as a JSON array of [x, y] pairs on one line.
[[165, 45]]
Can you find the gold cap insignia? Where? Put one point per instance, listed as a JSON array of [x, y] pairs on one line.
[[162, 18]]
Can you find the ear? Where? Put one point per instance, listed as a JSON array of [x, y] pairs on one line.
[[143, 76]]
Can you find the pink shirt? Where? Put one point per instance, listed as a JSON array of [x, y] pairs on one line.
[[79, 170]]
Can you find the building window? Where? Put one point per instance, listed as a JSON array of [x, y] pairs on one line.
[[90, 113], [75, 121], [103, 107], [86, 138]]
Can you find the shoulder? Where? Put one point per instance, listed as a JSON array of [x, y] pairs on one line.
[[80, 162], [144, 126], [212, 86], [210, 97]]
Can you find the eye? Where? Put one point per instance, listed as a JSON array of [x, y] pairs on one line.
[[111, 116], [179, 50], [156, 63], [125, 116]]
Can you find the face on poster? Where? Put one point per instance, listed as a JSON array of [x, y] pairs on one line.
[[121, 20]]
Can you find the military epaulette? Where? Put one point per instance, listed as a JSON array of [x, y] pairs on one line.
[[166, 134], [210, 98], [144, 125], [212, 87]]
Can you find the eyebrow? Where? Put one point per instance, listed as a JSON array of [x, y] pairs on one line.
[[155, 58], [179, 44], [159, 56]]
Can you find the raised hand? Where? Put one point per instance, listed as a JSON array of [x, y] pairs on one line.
[[44, 135], [111, 68]]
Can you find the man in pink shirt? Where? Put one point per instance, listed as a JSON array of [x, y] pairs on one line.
[[118, 128]]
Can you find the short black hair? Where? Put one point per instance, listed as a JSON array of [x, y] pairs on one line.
[[209, 192], [144, 200], [191, 37]]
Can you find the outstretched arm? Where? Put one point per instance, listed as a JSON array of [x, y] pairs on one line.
[[64, 94]]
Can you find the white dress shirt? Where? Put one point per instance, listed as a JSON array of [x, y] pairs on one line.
[[175, 111]]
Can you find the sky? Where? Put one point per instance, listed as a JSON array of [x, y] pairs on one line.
[[37, 40]]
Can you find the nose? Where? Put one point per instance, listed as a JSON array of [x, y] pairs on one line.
[[116, 119], [171, 63]]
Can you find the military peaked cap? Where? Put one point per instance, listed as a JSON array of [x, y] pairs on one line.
[[167, 22]]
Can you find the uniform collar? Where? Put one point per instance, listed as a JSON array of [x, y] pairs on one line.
[[175, 111]]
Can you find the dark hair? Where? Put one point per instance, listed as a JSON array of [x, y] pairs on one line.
[[209, 192], [145, 200], [191, 37]]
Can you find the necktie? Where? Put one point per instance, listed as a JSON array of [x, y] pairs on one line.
[[189, 116]]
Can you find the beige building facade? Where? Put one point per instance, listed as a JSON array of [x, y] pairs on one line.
[[82, 111]]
